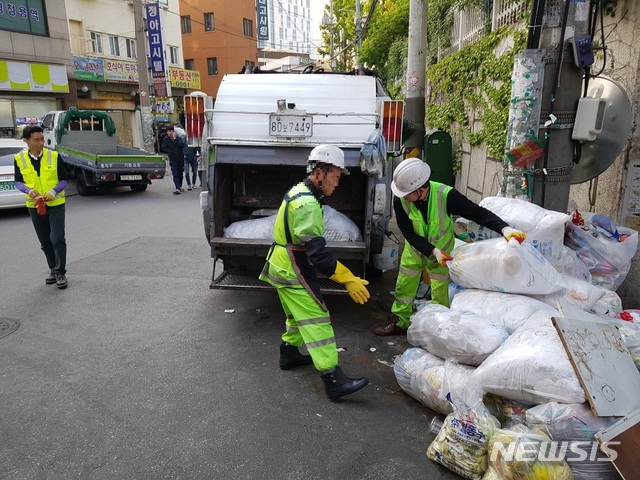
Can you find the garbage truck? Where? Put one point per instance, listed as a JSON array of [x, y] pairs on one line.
[[262, 129], [88, 146]]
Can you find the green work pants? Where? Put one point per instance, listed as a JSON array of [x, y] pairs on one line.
[[409, 277], [307, 322]]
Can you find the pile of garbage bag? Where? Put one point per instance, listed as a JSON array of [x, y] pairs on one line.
[[337, 227], [496, 351]]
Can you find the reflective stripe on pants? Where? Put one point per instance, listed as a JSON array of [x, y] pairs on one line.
[[308, 323], [409, 277]]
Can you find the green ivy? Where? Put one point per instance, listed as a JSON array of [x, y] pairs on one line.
[[473, 87]]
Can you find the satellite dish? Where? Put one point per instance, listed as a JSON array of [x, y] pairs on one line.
[[599, 154]]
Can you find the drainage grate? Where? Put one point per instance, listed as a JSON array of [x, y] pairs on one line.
[[8, 326]]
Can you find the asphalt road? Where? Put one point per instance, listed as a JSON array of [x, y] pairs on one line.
[[136, 371]]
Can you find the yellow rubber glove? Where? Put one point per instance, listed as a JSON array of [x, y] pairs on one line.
[[355, 285], [508, 233], [442, 257]]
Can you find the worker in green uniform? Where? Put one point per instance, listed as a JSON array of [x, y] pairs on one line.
[[424, 211], [296, 257]]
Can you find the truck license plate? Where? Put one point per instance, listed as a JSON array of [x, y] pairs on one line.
[[7, 186], [290, 126], [130, 178]]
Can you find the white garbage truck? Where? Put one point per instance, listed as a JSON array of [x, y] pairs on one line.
[[260, 133]]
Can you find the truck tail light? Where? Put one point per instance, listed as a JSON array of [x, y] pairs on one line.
[[106, 177], [392, 111], [155, 175]]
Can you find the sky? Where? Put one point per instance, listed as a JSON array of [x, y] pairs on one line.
[[317, 7]]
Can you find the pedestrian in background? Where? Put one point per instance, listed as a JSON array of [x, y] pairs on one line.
[[42, 178], [424, 211], [190, 166], [298, 253], [174, 148]]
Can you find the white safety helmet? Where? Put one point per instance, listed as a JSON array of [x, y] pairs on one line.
[[329, 154], [410, 175]]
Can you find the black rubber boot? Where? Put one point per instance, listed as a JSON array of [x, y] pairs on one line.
[[290, 357], [338, 384]]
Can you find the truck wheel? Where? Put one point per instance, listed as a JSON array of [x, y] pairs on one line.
[[138, 188], [81, 185]]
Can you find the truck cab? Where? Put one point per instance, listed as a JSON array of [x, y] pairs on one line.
[[263, 128]]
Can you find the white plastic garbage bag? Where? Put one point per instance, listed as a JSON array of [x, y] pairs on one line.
[[531, 367], [253, 228], [421, 375], [585, 296], [337, 227], [544, 228], [507, 309], [503, 266], [465, 336]]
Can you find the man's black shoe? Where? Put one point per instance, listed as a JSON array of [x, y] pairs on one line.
[[51, 279], [61, 281], [337, 384], [290, 357]]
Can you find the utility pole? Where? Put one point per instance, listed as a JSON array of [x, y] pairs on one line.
[[416, 70], [561, 91], [143, 73]]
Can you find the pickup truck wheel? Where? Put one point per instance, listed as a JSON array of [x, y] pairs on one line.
[[81, 185], [138, 188]]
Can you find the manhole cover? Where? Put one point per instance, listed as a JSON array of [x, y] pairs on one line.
[[8, 326]]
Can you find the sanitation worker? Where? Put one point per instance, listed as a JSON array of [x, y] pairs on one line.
[[424, 211], [298, 253], [41, 176]]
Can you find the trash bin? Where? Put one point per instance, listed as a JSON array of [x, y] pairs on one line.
[[438, 153]]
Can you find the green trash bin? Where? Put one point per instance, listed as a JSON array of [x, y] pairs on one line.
[[438, 153]]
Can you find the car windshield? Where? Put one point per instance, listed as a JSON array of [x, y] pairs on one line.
[[6, 155]]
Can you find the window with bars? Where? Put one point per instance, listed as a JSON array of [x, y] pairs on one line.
[[212, 66], [185, 23], [209, 22], [247, 26]]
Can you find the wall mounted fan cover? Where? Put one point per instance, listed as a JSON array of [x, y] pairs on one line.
[[599, 154]]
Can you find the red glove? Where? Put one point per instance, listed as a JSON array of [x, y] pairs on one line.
[[40, 206], [441, 256]]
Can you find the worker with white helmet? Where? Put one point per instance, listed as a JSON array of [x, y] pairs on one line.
[[297, 255], [424, 210]]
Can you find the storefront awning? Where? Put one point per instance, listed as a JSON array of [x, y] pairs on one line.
[[33, 77]]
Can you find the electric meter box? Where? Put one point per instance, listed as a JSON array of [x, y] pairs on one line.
[[589, 119], [438, 153]]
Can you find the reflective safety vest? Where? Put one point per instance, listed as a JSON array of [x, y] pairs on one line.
[[299, 220], [438, 227], [47, 179]]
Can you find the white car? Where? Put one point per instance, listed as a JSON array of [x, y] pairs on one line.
[[10, 197]]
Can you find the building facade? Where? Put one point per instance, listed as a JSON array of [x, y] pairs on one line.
[[35, 63], [286, 43], [218, 37], [106, 62], [56, 54]]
